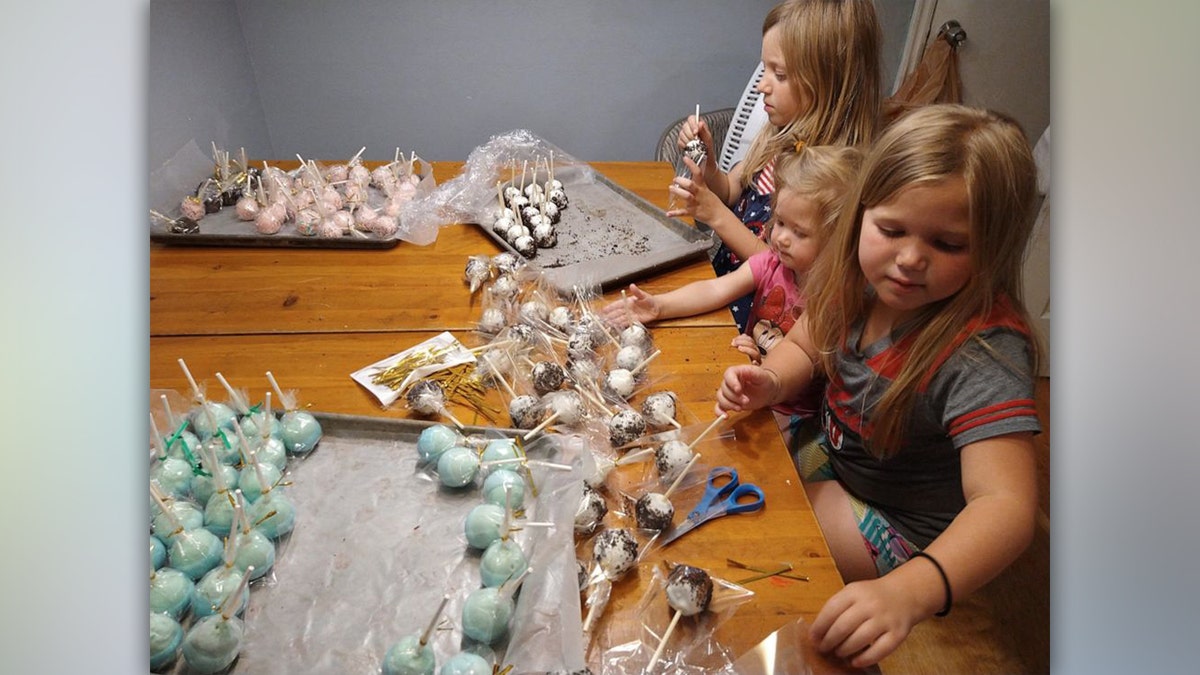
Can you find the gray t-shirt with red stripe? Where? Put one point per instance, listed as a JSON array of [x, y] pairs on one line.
[[978, 392]]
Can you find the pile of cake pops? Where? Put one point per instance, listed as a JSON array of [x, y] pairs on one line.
[[330, 201], [527, 213], [219, 507], [563, 370]]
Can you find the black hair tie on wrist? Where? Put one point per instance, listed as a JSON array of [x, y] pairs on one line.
[[945, 581]]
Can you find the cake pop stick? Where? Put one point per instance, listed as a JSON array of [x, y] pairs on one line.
[[433, 622], [544, 423], [235, 397], [646, 362], [663, 642], [679, 478], [720, 418], [161, 501], [196, 391], [158, 441], [288, 402]]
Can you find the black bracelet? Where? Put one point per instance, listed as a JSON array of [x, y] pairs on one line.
[[945, 581]]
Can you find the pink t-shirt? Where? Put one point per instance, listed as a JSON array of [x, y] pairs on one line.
[[777, 304]]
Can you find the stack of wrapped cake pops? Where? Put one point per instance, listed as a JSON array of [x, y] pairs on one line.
[[565, 371], [526, 213], [219, 507]]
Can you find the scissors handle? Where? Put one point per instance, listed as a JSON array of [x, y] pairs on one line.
[[733, 505]]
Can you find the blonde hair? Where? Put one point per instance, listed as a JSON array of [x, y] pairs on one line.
[[822, 175], [990, 152], [831, 52]]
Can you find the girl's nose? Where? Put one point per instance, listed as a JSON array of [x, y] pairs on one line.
[[911, 256]]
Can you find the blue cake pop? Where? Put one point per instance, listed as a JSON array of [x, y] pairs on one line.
[[485, 614], [503, 560], [466, 663], [254, 549], [158, 552], [299, 430], [215, 641], [273, 514], [500, 449], [165, 637], [482, 525], [434, 440], [412, 655], [458, 466], [501, 481], [170, 591]]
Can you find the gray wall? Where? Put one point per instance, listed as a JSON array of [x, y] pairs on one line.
[[598, 78]]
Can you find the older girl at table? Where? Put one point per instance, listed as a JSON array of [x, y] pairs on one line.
[[820, 87], [923, 479]]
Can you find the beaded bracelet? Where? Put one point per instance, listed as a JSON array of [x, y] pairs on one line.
[[945, 581]]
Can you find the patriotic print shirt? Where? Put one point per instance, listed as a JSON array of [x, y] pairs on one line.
[[974, 393]]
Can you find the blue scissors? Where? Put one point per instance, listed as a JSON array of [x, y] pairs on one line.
[[720, 500]]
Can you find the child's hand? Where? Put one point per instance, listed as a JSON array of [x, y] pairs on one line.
[[695, 128], [746, 388], [746, 345], [865, 621], [639, 304], [698, 201]]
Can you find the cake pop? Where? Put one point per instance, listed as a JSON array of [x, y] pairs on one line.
[[505, 286], [254, 550], [629, 357], [183, 515], [219, 583], [482, 525], [503, 559], [615, 551], [273, 514], [625, 427], [500, 449], [566, 405], [591, 511], [501, 482], [192, 552], [547, 377], [670, 458], [256, 478], [695, 151], [165, 637], [215, 641], [478, 271], [458, 466], [218, 508], [659, 410], [492, 321], [434, 440], [636, 335], [689, 590], [620, 382], [524, 412], [174, 476], [412, 655], [158, 552], [299, 430], [507, 263], [654, 511], [170, 591], [561, 318], [487, 610], [466, 663], [534, 311]]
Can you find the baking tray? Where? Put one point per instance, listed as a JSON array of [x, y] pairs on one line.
[[377, 543], [223, 228], [609, 235]]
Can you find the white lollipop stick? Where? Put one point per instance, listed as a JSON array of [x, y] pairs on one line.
[[482, 348], [645, 363], [720, 418], [288, 404], [241, 436], [258, 473], [510, 586], [195, 388], [697, 113], [436, 615], [663, 643], [231, 549], [265, 431], [535, 523], [162, 505], [545, 423], [625, 302], [229, 607], [634, 456], [158, 441], [452, 418], [525, 461], [507, 387], [239, 512], [679, 478], [210, 458], [235, 397], [357, 155], [172, 421]]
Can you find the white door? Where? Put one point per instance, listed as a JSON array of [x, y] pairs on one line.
[[1004, 65]]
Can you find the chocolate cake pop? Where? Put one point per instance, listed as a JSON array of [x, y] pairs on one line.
[[659, 410], [625, 427], [689, 590], [524, 412], [547, 377]]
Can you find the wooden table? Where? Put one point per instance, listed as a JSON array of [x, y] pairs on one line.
[[312, 317]]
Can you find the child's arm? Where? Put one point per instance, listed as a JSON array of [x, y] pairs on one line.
[[785, 371], [867, 620], [704, 205], [694, 298]]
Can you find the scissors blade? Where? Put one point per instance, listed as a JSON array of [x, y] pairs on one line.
[[692, 522]]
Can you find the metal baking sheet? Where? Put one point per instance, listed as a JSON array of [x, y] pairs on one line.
[[608, 236], [378, 541]]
